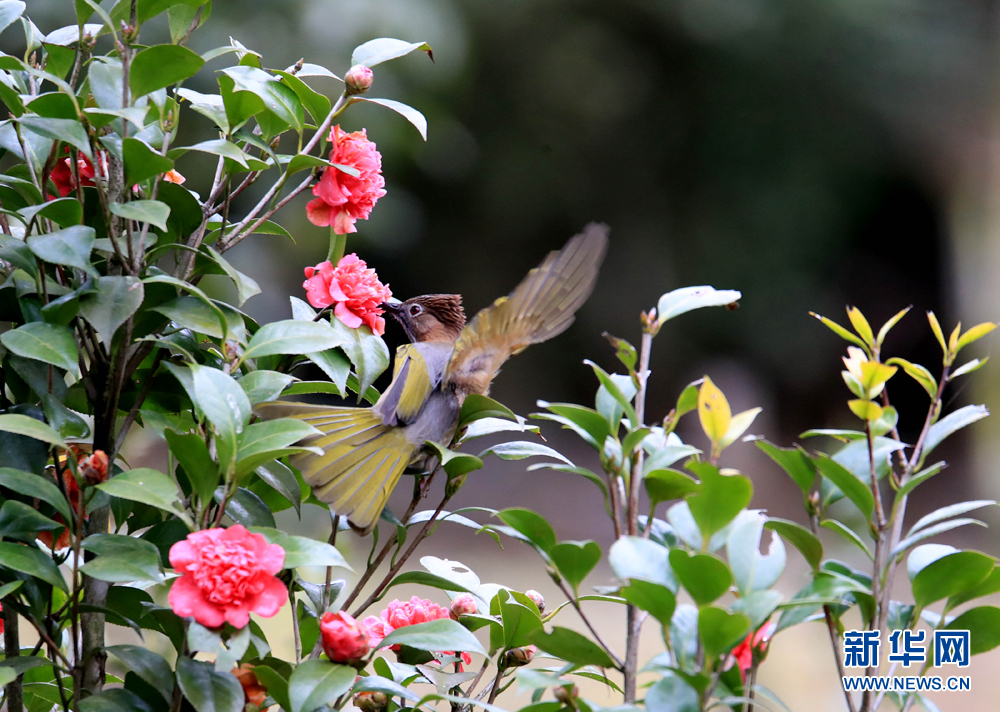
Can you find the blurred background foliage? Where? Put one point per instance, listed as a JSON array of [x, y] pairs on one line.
[[811, 153]]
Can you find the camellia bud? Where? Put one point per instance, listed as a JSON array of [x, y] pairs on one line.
[[537, 599], [567, 695], [94, 469], [371, 701], [517, 657], [253, 691], [812, 503], [345, 640], [358, 79], [462, 605]]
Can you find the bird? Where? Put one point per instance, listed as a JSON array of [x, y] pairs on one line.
[[366, 449]]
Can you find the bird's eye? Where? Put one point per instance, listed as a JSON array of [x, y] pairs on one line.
[[415, 309]]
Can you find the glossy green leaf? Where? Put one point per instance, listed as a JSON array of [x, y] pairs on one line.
[[247, 508], [67, 130], [192, 454], [455, 464], [848, 534], [316, 683], [987, 587], [292, 337], [954, 421], [148, 665], [531, 525], [721, 498], [144, 485], [280, 478], [418, 120], [383, 49], [521, 449], [613, 397], [48, 343], [586, 422], [30, 560], [31, 485], [207, 690], [947, 512], [226, 407], [950, 575], [277, 97], [143, 211], [654, 598], [122, 559], [665, 485], [477, 406], [572, 647], [264, 386], [918, 373], [435, 636], [680, 301], [575, 559], [672, 693], [109, 304], [161, 66], [855, 490], [841, 332], [203, 316], [634, 557], [794, 461], [21, 522], [704, 576], [983, 624], [928, 532], [801, 538], [142, 162], [753, 571], [303, 551], [720, 630], [70, 247], [217, 147], [65, 212], [30, 427]]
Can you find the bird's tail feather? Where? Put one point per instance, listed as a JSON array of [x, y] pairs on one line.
[[361, 463]]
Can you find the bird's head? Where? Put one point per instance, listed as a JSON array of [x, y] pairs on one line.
[[432, 317]]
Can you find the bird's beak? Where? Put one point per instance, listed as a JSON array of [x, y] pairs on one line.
[[391, 308]]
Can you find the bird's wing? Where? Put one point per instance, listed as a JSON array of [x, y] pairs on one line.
[[541, 307], [417, 372]]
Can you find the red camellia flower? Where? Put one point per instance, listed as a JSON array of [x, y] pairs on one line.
[[353, 287], [399, 615], [62, 172], [254, 692], [753, 643], [227, 574], [341, 198], [345, 640], [1, 619]]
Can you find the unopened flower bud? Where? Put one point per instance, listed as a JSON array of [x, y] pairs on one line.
[[567, 695], [358, 79], [812, 503], [537, 599], [94, 469], [345, 640], [462, 605], [371, 701], [517, 657]]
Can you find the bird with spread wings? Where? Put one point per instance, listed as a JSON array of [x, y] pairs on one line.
[[365, 450]]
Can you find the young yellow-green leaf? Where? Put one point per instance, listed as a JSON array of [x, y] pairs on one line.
[[953, 339], [861, 325], [841, 332], [738, 425], [975, 333], [874, 376], [938, 334], [714, 412], [973, 365], [865, 409], [919, 374], [884, 331]]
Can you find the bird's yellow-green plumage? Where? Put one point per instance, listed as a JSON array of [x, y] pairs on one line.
[[365, 450]]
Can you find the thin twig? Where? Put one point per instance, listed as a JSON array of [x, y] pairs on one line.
[[586, 621]]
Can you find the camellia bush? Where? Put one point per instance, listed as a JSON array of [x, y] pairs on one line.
[[105, 330]]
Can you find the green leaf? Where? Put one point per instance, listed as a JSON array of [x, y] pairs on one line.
[[720, 630], [794, 461], [932, 531], [671, 693], [974, 334], [245, 286], [30, 560], [614, 390], [423, 578], [654, 598], [572, 647], [10, 11], [48, 343], [265, 436], [531, 525], [884, 331], [521, 449], [247, 508], [303, 551], [65, 212], [383, 49], [67, 130], [861, 325], [950, 575], [367, 352], [264, 386], [987, 587], [207, 690], [26, 425], [477, 406], [951, 423], [918, 373], [149, 666], [122, 559], [276, 685], [842, 332], [758, 606], [575, 559], [704, 576], [952, 510], [143, 211], [455, 464], [111, 700], [161, 66], [665, 485], [586, 422], [283, 481], [801, 538], [633, 557], [680, 301], [21, 522], [204, 316], [983, 624], [192, 454], [292, 337], [69, 247], [848, 534], [144, 485], [407, 112], [435, 636], [142, 162], [278, 97], [753, 571], [722, 497], [924, 555], [36, 487], [226, 407], [973, 365], [520, 618], [110, 303], [855, 490]]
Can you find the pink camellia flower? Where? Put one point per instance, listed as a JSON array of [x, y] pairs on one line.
[[227, 574], [345, 640], [354, 288], [462, 605], [754, 644], [400, 615], [341, 198]]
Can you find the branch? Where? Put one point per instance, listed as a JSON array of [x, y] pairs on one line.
[[586, 622]]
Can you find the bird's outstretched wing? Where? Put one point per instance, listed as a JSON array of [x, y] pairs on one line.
[[541, 307]]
